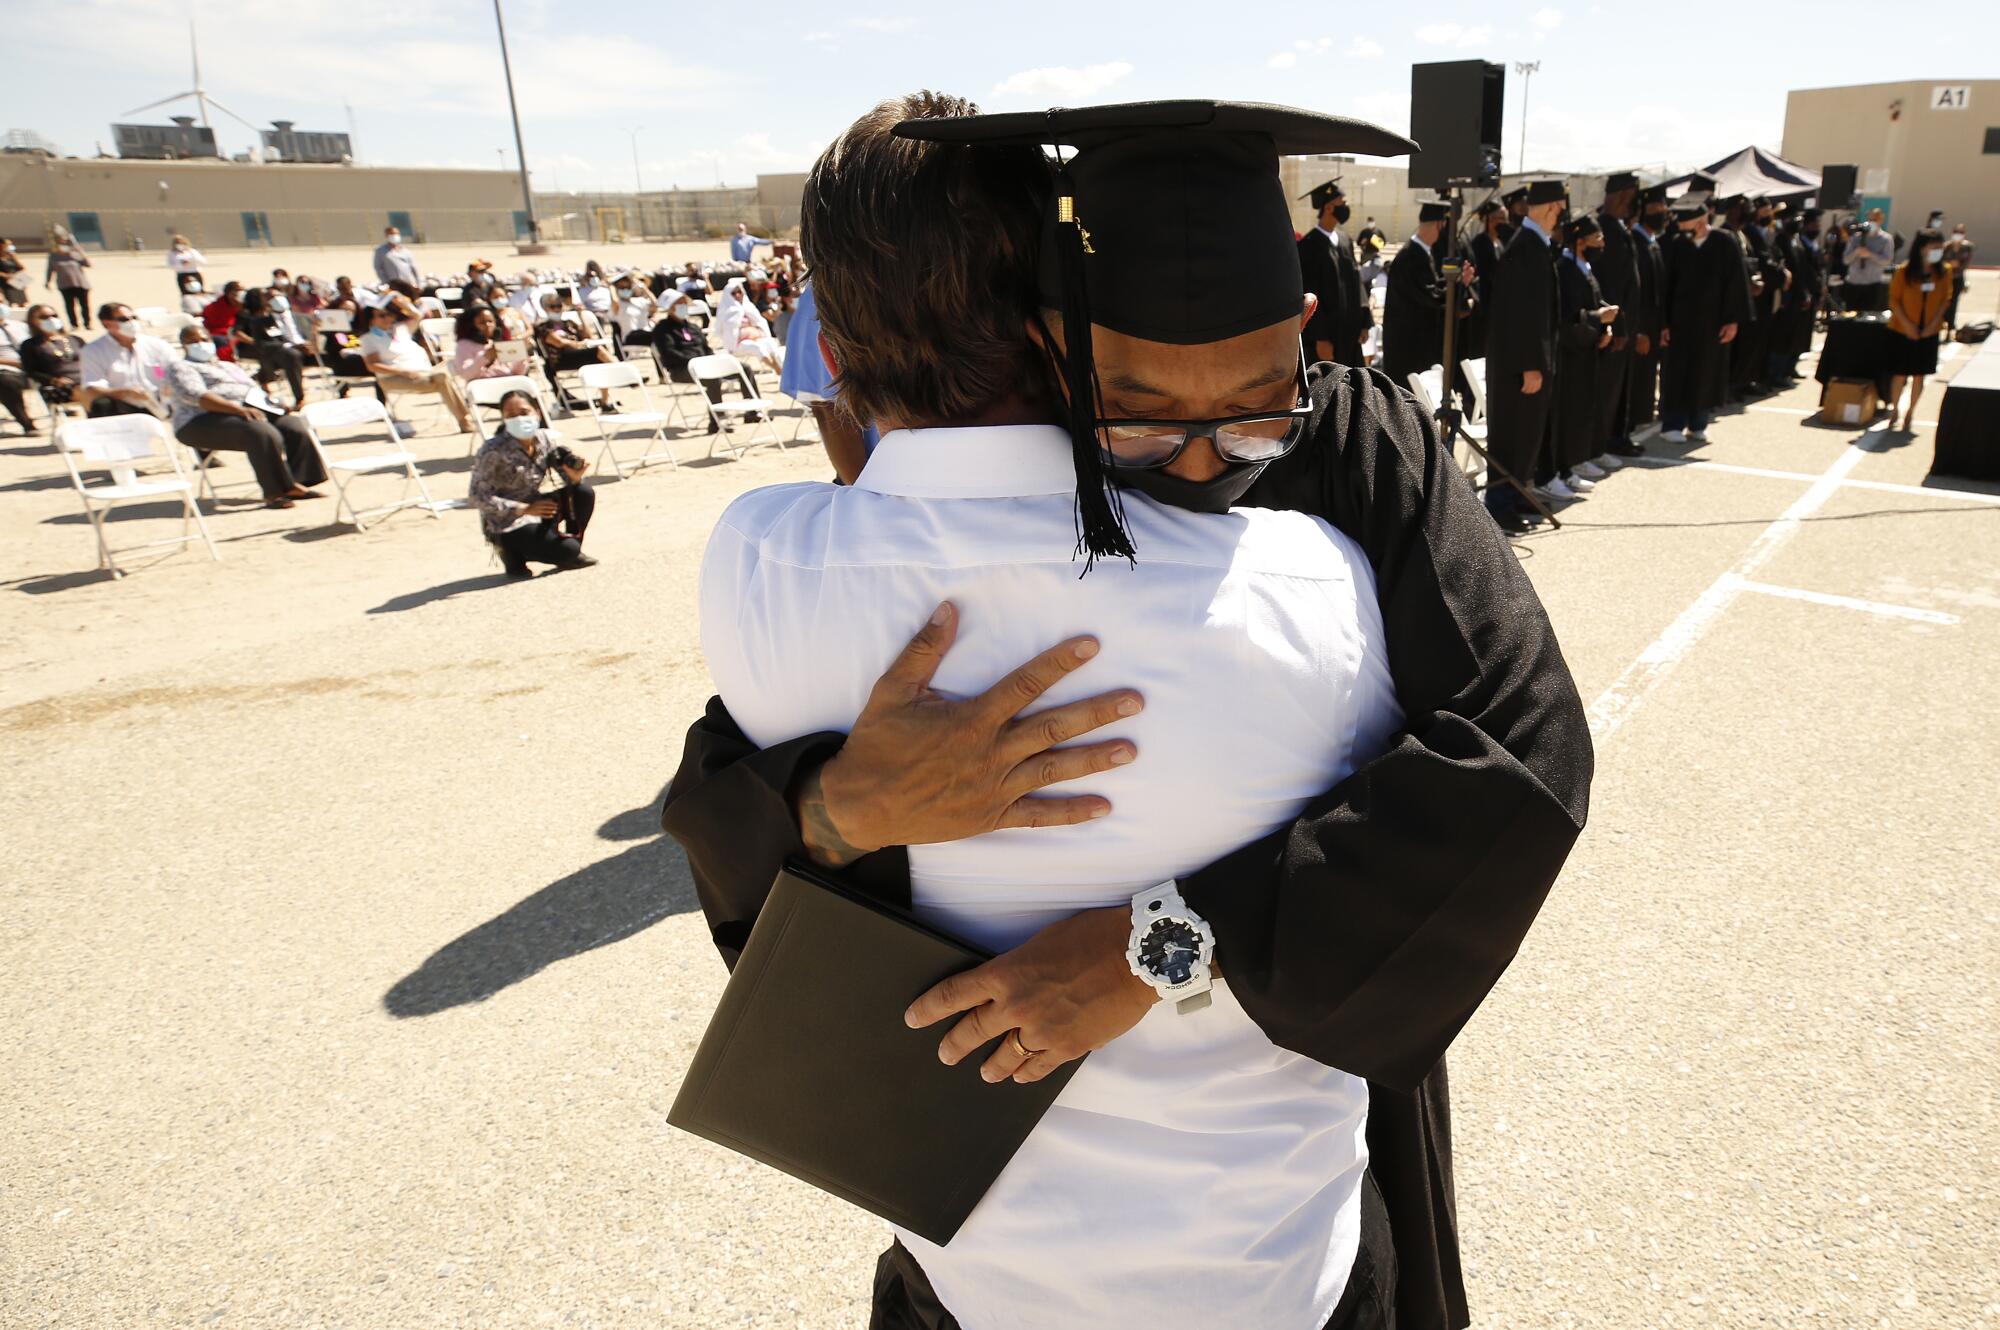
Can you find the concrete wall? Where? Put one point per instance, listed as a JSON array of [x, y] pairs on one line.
[[1934, 158], [307, 206], [771, 209]]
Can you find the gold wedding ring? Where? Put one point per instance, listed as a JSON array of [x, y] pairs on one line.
[[1015, 1037]]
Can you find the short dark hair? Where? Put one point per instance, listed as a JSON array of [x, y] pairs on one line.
[[923, 262], [109, 309]]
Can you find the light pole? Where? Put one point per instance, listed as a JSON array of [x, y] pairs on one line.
[[637, 188], [520, 148], [1526, 69]]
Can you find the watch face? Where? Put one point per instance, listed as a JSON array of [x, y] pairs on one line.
[[1170, 950]]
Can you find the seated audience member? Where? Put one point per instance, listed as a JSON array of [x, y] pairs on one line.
[[401, 365], [13, 276], [693, 283], [523, 523], [343, 288], [263, 337], [124, 371], [596, 292], [745, 332], [634, 310], [51, 357], [478, 350], [219, 317], [563, 347], [212, 413], [341, 351], [14, 380], [194, 299], [307, 301]]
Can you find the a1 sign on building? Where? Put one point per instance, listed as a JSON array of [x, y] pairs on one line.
[[1951, 99]]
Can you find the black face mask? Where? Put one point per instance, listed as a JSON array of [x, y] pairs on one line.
[[1196, 496], [1504, 232], [1341, 212]]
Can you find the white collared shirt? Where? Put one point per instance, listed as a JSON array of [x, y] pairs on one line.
[[106, 364], [1192, 1172]]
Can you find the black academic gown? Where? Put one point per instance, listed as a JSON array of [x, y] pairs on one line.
[[1413, 314], [1365, 934], [1643, 319], [1617, 269], [1483, 253], [1707, 287], [1330, 272], [1521, 336], [1580, 365], [1793, 337], [1746, 353]]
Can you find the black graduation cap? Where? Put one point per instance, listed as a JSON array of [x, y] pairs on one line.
[[1653, 194], [1486, 208], [1515, 195], [1322, 194], [1581, 225], [1618, 180], [1433, 210], [1691, 204], [1169, 224], [1547, 191], [1810, 215], [1701, 184]]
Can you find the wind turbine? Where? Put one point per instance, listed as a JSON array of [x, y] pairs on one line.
[[202, 100]]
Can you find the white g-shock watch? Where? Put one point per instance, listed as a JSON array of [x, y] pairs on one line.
[[1171, 947]]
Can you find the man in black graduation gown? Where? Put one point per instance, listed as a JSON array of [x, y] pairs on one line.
[[1793, 336], [1356, 936], [1616, 267], [1706, 302], [1413, 313], [1645, 316], [1326, 259], [1521, 355], [1482, 251], [1734, 225]]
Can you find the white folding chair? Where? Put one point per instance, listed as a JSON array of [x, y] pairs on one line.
[[345, 467], [728, 369], [431, 307], [151, 316], [442, 334], [805, 397], [1425, 384], [488, 392], [613, 425], [1475, 376], [640, 353], [121, 444], [698, 312], [450, 295]]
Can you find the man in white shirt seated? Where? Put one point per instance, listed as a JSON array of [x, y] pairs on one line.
[[123, 370], [401, 365], [1192, 1171]]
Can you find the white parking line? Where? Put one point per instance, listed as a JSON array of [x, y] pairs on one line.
[[1889, 487], [1616, 704], [1875, 607]]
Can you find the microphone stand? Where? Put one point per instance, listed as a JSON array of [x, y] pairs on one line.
[[1451, 421]]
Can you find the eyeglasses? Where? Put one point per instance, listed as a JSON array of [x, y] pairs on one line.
[[1262, 437]]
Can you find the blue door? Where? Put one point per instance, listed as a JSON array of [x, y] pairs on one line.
[[83, 226], [521, 229], [256, 228], [401, 221]]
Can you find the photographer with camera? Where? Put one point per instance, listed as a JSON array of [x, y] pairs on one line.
[[522, 516]]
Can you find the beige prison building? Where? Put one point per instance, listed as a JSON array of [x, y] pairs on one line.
[[1935, 141]]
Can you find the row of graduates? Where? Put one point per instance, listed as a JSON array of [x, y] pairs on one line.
[[1590, 324]]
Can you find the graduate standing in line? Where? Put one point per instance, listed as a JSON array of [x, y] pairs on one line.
[[1645, 317], [1617, 269], [1706, 301], [1583, 347], [1483, 252], [1801, 304], [1413, 314], [1326, 258], [1521, 355]]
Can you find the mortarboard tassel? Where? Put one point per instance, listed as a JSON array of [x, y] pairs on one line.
[[1100, 511]]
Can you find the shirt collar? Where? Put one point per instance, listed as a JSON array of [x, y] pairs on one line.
[[1418, 240], [975, 462], [1334, 234], [1530, 224]]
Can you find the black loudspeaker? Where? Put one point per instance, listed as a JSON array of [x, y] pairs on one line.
[[1836, 187], [1455, 108]]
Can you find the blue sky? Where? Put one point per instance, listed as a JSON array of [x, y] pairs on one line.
[[727, 91]]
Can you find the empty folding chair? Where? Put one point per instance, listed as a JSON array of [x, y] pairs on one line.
[[345, 466], [728, 369], [645, 423], [442, 334], [805, 397], [121, 444], [431, 307], [451, 296], [1424, 383]]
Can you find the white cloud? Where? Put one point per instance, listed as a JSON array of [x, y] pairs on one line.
[[1283, 60], [1455, 34], [1364, 49], [882, 24], [1548, 19], [1063, 80], [817, 38]]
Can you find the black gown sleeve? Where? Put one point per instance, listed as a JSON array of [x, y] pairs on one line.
[[1366, 934]]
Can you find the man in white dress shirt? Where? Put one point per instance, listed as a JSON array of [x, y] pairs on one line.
[[123, 370], [1192, 1171]]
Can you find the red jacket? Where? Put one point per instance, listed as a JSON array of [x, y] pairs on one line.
[[219, 317]]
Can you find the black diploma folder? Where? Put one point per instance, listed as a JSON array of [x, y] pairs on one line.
[[808, 1067]]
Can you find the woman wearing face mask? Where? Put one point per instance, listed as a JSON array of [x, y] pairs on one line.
[[212, 413], [524, 524], [50, 356], [262, 331], [634, 311], [563, 348], [1919, 293], [218, 316], [184, 260], [1583, 331], [13, 282], [194, 296], [67, 274], [596, 295]]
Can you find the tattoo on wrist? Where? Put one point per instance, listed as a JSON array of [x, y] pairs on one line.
[[816, 828]]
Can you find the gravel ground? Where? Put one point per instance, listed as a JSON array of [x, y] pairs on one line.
[[348, 983]]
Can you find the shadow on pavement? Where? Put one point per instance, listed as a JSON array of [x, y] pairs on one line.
[[607, 902], [410, 600]]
